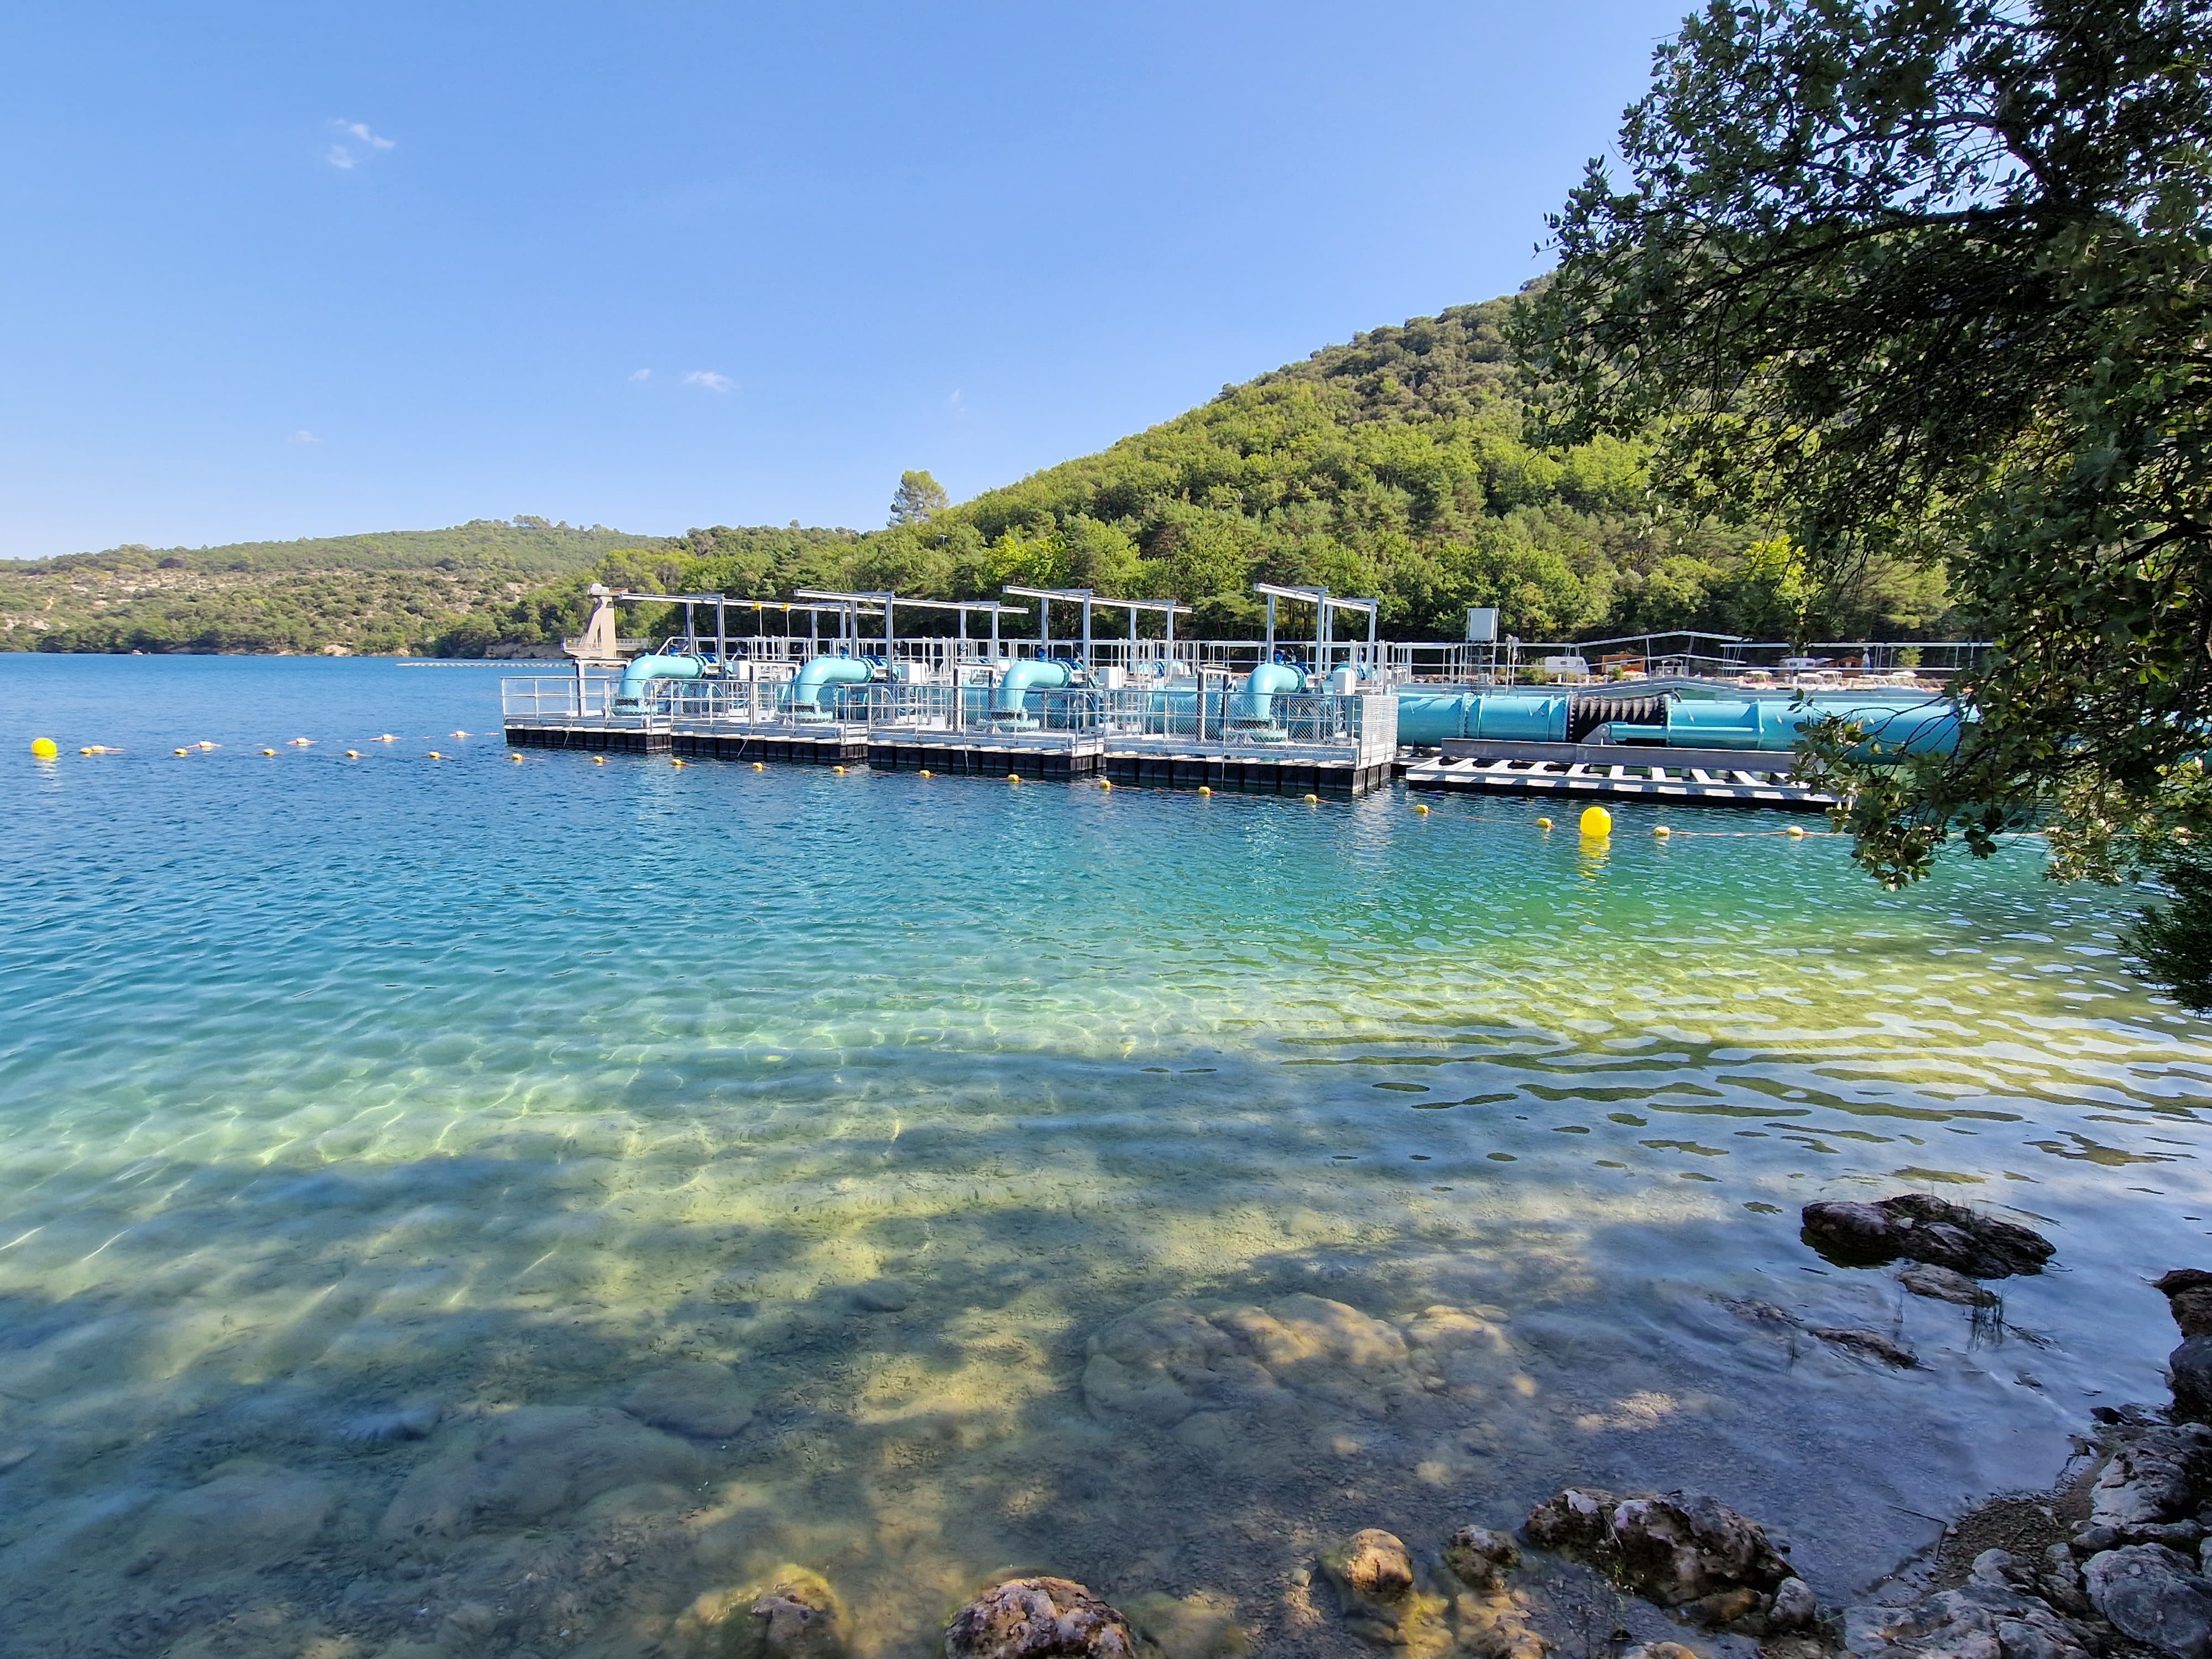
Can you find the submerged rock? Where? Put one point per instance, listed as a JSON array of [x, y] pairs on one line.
[[1378, 1592], [880, 1296], [1190, 1627], [1038, 1619], [533, 1462], [1918, 1227], [1682, 1549], [798, 1616], [1945, 1285], [1165, 1361], [1481, 1558], [695, 1398], [2155, 1595], [1873, 1345], [794, 1615], [411, 1421], [1375, 1567], [249, 1516]]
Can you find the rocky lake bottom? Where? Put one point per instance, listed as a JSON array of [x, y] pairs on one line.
[[481, 1207]]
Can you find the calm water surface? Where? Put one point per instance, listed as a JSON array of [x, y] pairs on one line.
[[1144, 1186]]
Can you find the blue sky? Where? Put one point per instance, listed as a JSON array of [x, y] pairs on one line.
[[286, 269]]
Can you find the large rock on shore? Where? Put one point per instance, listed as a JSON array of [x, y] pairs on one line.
[[2151, 1478], [1038, 1619], [2154, 1596], [2188, 1292], [1685, 1549], [1980, 1621], [1918, 1227]]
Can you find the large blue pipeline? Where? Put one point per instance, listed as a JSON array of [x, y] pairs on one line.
[[1428, 718], [820, 671], [631, 692]]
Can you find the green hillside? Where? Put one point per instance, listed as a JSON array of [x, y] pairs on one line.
[[1392, 465], [390, 592]]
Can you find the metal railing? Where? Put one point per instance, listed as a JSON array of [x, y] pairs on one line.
[[1215, 717]]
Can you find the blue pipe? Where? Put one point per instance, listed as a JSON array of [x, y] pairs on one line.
[[807, 689], [1428, 718], [1041, 673], [1255, 705], [631, 691], [1894, 730]]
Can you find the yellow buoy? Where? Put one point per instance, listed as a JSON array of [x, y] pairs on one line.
[[1422, 808], [1013, 777], [1314, 800], [1105, 783], [1597, 822], [839, 770], [353, 754], [1795, 829], [675, 762], [1662, 832], [434, 754], [269, 752], [1204, 788], [515, 757], [757, 767], [47, 749], [599, 760], [208, 745], [1543, 824], [926, 772]]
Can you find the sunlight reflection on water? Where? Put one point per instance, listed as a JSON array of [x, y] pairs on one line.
[[1146, 1187]]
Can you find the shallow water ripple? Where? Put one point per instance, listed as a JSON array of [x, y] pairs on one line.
[[369, 1130]]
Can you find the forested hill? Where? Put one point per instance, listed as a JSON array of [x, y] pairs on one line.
[[1392, 465], [395, 591]]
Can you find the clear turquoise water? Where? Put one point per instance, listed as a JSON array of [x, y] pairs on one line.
[[335, 1089]]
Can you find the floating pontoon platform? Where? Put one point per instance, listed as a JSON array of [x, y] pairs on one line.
[[1692, 777]]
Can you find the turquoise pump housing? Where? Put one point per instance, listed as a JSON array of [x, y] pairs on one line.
[[630, 694]]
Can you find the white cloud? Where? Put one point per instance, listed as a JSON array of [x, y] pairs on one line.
[[342, 157], [708, 378], [303, 437], [954, 404], [641, 377]]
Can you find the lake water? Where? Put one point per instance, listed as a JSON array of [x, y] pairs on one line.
[[468, 1206]]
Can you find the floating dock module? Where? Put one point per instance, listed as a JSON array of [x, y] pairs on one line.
[[1638, 779], [1258, 776], [986, 759]]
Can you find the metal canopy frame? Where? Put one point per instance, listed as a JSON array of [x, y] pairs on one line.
[[723, 603], [889, 601], [1326, 605], [1089, 599]]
